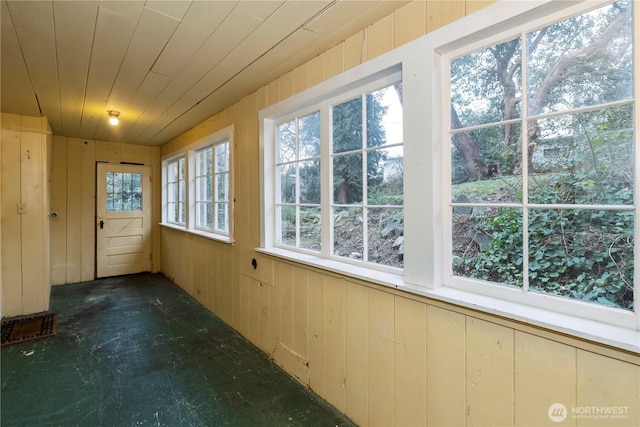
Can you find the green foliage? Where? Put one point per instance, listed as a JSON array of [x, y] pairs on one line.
[[583, 254], [576, 253], [289, 213], [458, 167], [501, 262], [481, 190], [392, 193]]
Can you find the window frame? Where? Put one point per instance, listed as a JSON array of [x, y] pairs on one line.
[[596, 312], [189, 154], [327, 204], [214, 172], [427, 272]]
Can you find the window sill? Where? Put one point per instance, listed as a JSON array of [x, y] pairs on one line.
[[206, 235], [591, 330], [355, 271]]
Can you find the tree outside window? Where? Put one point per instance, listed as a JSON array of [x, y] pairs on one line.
[[542, 134]]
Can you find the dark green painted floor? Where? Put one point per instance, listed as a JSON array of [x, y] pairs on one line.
[[138, 351]]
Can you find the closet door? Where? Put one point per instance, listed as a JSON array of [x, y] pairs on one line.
[[25, 222]]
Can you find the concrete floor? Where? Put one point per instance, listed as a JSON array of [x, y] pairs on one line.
[[136, 351]]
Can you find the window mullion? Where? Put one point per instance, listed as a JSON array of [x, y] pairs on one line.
[[297, 204], [365, 188], [297, 183], [277, 190], [190, 189], [214, 189], [326, 181], [525, 164]]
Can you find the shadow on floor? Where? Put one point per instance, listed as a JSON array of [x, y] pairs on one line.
[[136, 351]]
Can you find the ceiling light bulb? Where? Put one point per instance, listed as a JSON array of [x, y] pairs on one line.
[[113, 116]]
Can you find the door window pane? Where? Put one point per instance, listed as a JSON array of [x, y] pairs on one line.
[[124, 192]]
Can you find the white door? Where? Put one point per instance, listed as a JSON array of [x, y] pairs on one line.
[[123, 219]]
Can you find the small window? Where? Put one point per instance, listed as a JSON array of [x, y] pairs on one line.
[[198, 187], [176, 191]]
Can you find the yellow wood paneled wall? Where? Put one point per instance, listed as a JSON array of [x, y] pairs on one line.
[[381, 356], [25, 174], [73, 198]]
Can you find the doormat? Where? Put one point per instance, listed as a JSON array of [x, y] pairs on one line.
[[28, 328]]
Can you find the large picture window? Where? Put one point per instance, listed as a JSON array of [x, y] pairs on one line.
[[198, 187], [542, 131]]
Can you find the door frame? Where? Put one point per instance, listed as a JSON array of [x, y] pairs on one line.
[[102, 215]]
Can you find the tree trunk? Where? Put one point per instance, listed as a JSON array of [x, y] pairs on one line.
[[465, 144], [341, 195]]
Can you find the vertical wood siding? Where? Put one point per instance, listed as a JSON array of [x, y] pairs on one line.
[[73, 183]]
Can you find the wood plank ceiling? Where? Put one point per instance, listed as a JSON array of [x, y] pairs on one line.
[[165, 65]]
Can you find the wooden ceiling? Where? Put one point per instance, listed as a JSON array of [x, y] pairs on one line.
[[165, 65]]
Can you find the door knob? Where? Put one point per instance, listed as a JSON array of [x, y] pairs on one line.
[[101, 224]]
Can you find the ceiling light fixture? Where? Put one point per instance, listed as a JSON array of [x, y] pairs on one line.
[[113, 116]]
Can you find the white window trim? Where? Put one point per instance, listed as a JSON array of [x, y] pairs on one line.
[[189, 153], [326, 161], [427, 179]]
